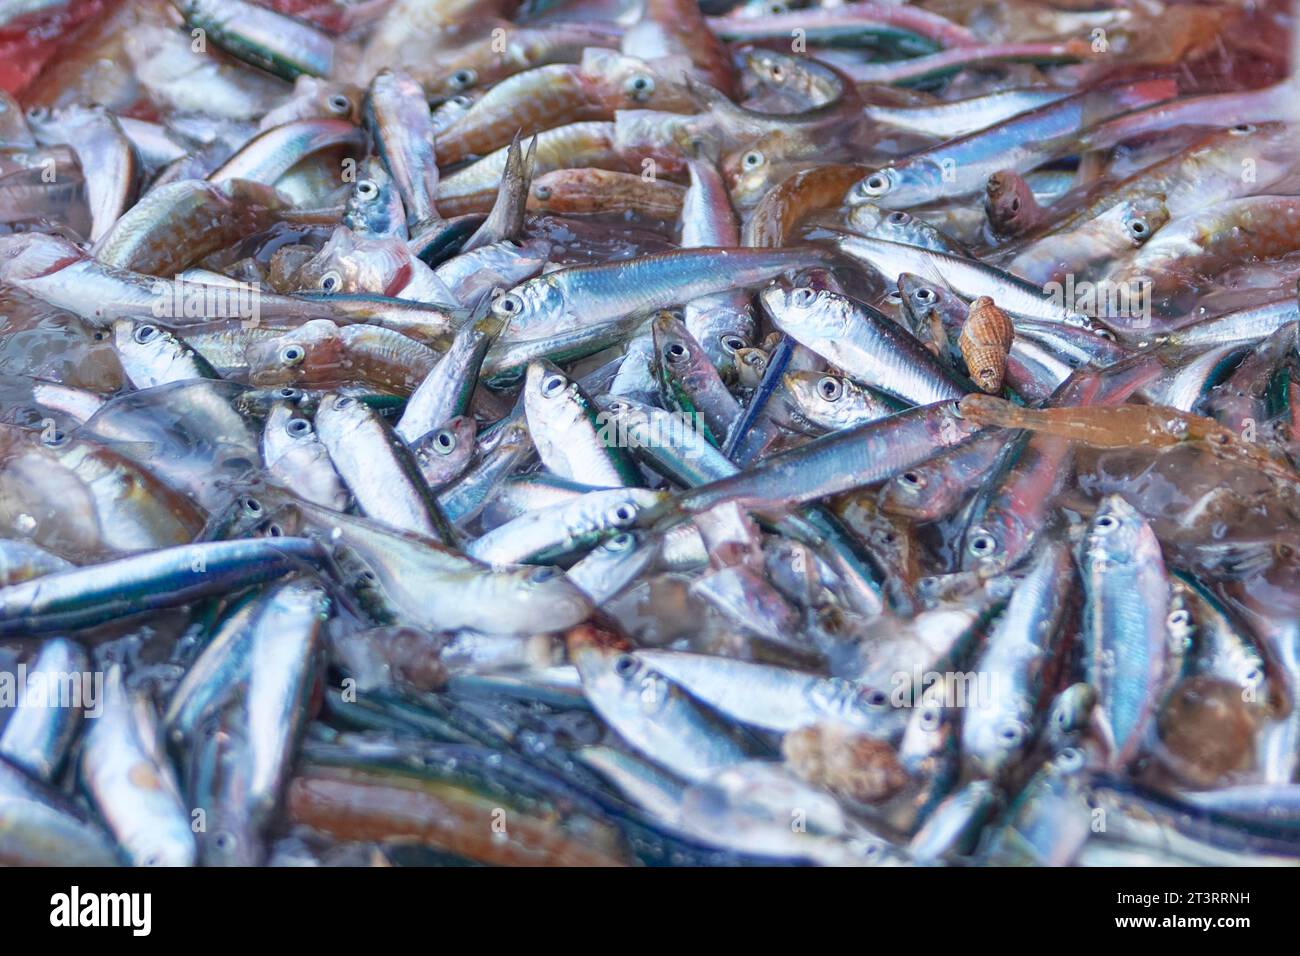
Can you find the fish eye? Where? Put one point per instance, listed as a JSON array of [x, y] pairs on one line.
[[733, 343], [623, 514], [752, 160], [872, 851], [620, 542], [929, 719], [298, 427], [272, 530], [1105, 524], [292, 354], [830, 388], [54, 438], [912, 479], [1179, 619], [444, 442], [639, 87], [224, 841], [1138, 229], [898, 218], [508, 304], [1243, 128], [675, 352], [367, 190], [338, 103], [626, 666], [463, 79], [1011, 734], [144, 334], [803, 296], [38, 113], [876, 699], [1070, 759], [331, 281], [553, 385], [619, 408], [925, 295], [877, 184], [344, 401], [543, 193], [1015, 204], [289, 394], [250, 506], [982, 545]]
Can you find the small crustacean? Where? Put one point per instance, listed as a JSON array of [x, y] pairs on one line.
[[985, 342]]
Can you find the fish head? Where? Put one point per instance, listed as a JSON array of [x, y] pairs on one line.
[[606, 662], [340, 414], [771, 68], [374, 207], [349, 263], [313, 352], [926, 734], [879, 187], [143, 339], [921, 296], [314, 98], [819, 395], [808, 313], [993, 740], [553, 404], [677, 354], [454, 109], [538, 301], [751, 171], [286, 426], [446, 450], [33, 255], [545, 594], [1117, 535], [630, 83], [1140, 218]]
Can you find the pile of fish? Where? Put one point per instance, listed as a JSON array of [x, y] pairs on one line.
[[642, 432]]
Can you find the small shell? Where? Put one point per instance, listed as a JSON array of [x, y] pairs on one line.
[[985, 340]]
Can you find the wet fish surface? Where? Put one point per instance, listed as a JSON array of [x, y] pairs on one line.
[[623, 422]]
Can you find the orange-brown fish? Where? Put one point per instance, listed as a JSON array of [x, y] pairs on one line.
[[589, 190]]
